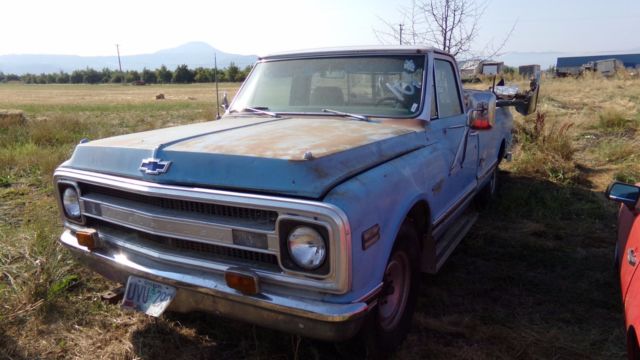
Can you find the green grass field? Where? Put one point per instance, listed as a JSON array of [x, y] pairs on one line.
[[533, 279]]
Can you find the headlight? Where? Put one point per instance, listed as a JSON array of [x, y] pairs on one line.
[[307, 247], [71, 202]]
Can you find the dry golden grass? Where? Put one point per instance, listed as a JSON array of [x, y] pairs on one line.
[[19, 94], [532, 280]]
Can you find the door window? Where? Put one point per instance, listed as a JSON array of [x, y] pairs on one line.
[[447, 94]]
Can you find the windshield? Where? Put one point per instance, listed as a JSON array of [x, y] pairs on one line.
[[379, 86]]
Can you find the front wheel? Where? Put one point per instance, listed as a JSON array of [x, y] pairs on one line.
[[391, 321]]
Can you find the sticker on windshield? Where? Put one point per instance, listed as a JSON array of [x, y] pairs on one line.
[[414, 107], [409, 66]]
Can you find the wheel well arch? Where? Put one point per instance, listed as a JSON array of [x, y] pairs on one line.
[[503, 149], [420, 217]]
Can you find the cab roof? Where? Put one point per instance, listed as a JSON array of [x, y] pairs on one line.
[[353, 50]]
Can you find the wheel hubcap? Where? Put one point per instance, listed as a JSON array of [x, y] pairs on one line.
[[397, 278]]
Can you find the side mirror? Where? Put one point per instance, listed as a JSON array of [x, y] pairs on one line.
[[530, 101], [482, 110], [623, 193]]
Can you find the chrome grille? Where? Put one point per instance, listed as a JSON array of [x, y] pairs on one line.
[[196, 249], [263, 219]]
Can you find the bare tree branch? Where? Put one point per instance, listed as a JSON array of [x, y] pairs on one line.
[[450, 25]]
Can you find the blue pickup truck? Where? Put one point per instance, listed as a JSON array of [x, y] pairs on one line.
[[334, 178]]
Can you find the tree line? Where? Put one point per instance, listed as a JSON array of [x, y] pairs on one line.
[[162, 75]]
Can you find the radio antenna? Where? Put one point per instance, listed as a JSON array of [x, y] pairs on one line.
[[215, 79]]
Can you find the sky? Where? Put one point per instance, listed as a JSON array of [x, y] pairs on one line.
[[93, 27]]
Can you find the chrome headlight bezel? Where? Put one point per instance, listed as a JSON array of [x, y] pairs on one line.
[[290, 261], [63, 187]]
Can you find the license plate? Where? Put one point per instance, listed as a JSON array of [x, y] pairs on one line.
[[147, 296]]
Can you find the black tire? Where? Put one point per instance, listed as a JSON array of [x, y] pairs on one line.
[[390, 321]]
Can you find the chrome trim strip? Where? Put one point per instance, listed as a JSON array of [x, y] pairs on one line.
[[448, 248], [454, 208], [339, 280], [165, 226], [488, 172], [464, 197], [181, 228]]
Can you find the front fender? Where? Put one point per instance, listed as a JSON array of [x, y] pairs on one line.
[[383, 196]]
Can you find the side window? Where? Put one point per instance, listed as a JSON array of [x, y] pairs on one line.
[[446, 90]]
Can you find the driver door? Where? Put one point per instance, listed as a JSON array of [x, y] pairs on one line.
[[458, 145]]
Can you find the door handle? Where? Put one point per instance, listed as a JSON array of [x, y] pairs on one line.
[[631, 257]]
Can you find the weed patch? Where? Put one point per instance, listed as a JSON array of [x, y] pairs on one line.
[[616, 150], [546, 151], [614, 121], [56, 131], [629, 174]]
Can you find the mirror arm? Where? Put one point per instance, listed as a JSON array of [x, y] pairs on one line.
[[514, 102], [632, 208]]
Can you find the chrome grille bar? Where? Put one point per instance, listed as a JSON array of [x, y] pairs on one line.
[[258, 218], [204, 251], [147, 218]]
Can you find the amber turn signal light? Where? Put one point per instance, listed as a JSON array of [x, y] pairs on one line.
[[88, 238], [243, 280]]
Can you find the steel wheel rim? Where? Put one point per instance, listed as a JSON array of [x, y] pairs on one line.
[[392, 305]]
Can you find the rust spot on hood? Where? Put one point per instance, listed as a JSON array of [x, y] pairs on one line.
[[291, 138], [154, 138]]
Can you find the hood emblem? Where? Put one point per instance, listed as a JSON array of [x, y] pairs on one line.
[[153, 166]]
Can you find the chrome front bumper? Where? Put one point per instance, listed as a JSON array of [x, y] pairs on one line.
[[198, 290]]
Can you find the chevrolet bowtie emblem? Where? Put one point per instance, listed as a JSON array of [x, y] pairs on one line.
[[153, 166]]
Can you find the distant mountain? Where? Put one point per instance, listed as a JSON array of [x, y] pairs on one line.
[[193, 54]]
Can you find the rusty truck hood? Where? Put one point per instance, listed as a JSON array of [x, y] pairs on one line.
[[302, 157]]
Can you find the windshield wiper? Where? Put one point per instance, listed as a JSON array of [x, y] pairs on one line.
[[340, 113], [259, 110]]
